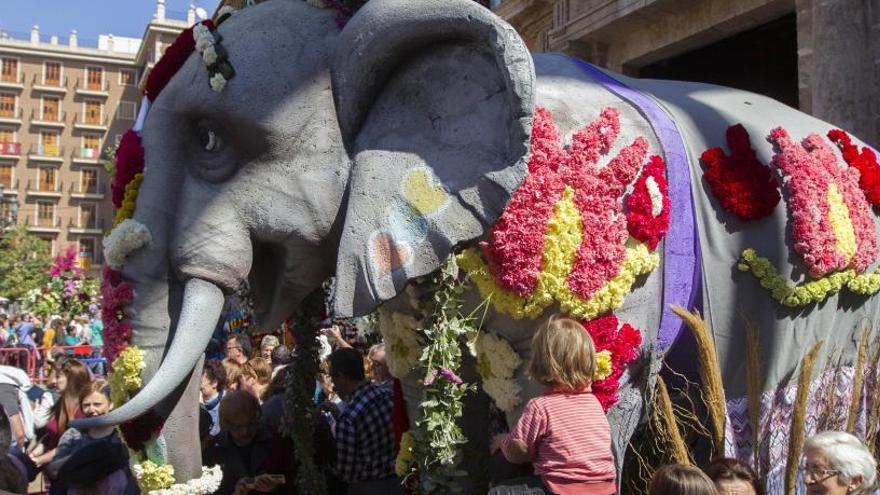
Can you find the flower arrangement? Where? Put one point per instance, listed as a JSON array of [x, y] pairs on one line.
[[151, 476], [129, 163], [648, 206], [740, 182], [128, 236], [116, 295], [832, 225], [496, 363], [404, 455], [171, 62], [207, 43], [865, 162], [129, 199], [563, 236], [68, 289], [403, 341], [437, 435], [616, 347], [207, 484], [126, 375]]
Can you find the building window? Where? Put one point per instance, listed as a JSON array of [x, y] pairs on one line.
[[49, 144], [126, 77], [10, 70], [47, 175], [91, 144], [52, 74], [89, 181], [6, 172], [126, 110], [7, 135], [45, 214], [93, 111], [95, 78], [51, 108], [86, 256], [7, 105], [6, 210], [88, 216]]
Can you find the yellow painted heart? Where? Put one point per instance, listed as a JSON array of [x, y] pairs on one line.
[[422, 195]]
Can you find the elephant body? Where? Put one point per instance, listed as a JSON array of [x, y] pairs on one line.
[[374, 153]]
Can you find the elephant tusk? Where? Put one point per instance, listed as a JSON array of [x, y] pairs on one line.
[[202, 303]]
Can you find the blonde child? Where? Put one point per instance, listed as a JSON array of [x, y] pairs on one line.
[[563, 432]]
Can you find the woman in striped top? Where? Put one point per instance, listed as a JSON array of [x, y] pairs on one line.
[[563, 432]]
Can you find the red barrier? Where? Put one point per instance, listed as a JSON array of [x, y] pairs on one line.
[[20, 357], [27, 358]]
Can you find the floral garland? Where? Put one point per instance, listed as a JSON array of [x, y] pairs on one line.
[[808, 292], [215, 57], [437, 435], [129, 163], [129, 199], [404, 455], [127, 237], [615, 349], [403, 341], [865, 162], [125, 379], [300, 410], [740, 182], [648, 206], [155, 479], [562, 237], [496, 363], [832, 225]]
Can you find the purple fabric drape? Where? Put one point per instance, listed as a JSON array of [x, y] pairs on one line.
[[681, 250]]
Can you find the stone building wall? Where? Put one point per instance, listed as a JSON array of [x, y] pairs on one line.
[[838, 42]]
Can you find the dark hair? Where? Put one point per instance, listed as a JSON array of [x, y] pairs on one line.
[[734, 469], [78, 380], [215, 372], [348, 362], [281, 356], [277, 385], [245, 343], [678, 479]]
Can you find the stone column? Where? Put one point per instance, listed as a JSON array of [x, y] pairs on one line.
[[839, 64]]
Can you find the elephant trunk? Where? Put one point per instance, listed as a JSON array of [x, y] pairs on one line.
[[201, 307]]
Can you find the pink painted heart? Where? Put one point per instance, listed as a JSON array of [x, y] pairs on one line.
[[387, 255]]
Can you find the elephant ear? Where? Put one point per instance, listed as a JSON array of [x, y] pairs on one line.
[[435, 101]]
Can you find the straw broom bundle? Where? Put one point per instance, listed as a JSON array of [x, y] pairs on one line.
[[796, 438], [665, 422], [874, 414], [710, 374], [858, 380], [753, 387]]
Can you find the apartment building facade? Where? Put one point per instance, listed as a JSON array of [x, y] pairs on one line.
[[61, 107]]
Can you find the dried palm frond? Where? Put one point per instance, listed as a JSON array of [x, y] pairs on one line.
[[858, 380], [753, 388], [710, 374], [796, 433], [667, 426]]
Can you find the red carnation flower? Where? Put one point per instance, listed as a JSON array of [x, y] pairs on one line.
[[139, 431], [865, 162], [742, 184], [129, 162]]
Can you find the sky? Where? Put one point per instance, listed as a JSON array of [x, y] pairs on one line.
[[89, 17]]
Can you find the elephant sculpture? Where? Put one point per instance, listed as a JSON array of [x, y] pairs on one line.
[[375, 151]]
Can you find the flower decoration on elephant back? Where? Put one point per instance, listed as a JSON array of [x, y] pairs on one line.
[[616, 347], [832, 226], [565, 235]]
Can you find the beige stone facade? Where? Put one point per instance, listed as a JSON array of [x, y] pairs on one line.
[[834, 45], [61, 107]]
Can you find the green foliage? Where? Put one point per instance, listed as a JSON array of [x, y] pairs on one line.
[[24, 263], [438, 435], [110, 160], [300, 411]]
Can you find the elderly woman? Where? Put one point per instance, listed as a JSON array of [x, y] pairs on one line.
[[837, 463]]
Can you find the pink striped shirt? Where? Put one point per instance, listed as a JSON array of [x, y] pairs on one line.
[[569, 442]]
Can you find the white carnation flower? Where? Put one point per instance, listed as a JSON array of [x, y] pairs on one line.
[[656, 196], [497, 362], [504, 392], [218, 82], [402, 340], [127, 237], [202, 36], [209, 55], [207, 484]]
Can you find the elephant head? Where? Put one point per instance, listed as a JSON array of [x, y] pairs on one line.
[[369, 153]]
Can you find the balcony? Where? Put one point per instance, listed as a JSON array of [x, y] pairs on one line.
[[39, 84], [10, 188], [42, 189], [87, 123], [87, 191], [10, 116], [56, 120], [47, 153], [86, 156], [90, 226], [12, 82], [92, 89], [10, 150], [43, 226]]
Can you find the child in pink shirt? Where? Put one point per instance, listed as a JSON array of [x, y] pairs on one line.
[[563, 432]]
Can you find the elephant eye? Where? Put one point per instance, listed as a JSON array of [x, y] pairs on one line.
[[209, 140]]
